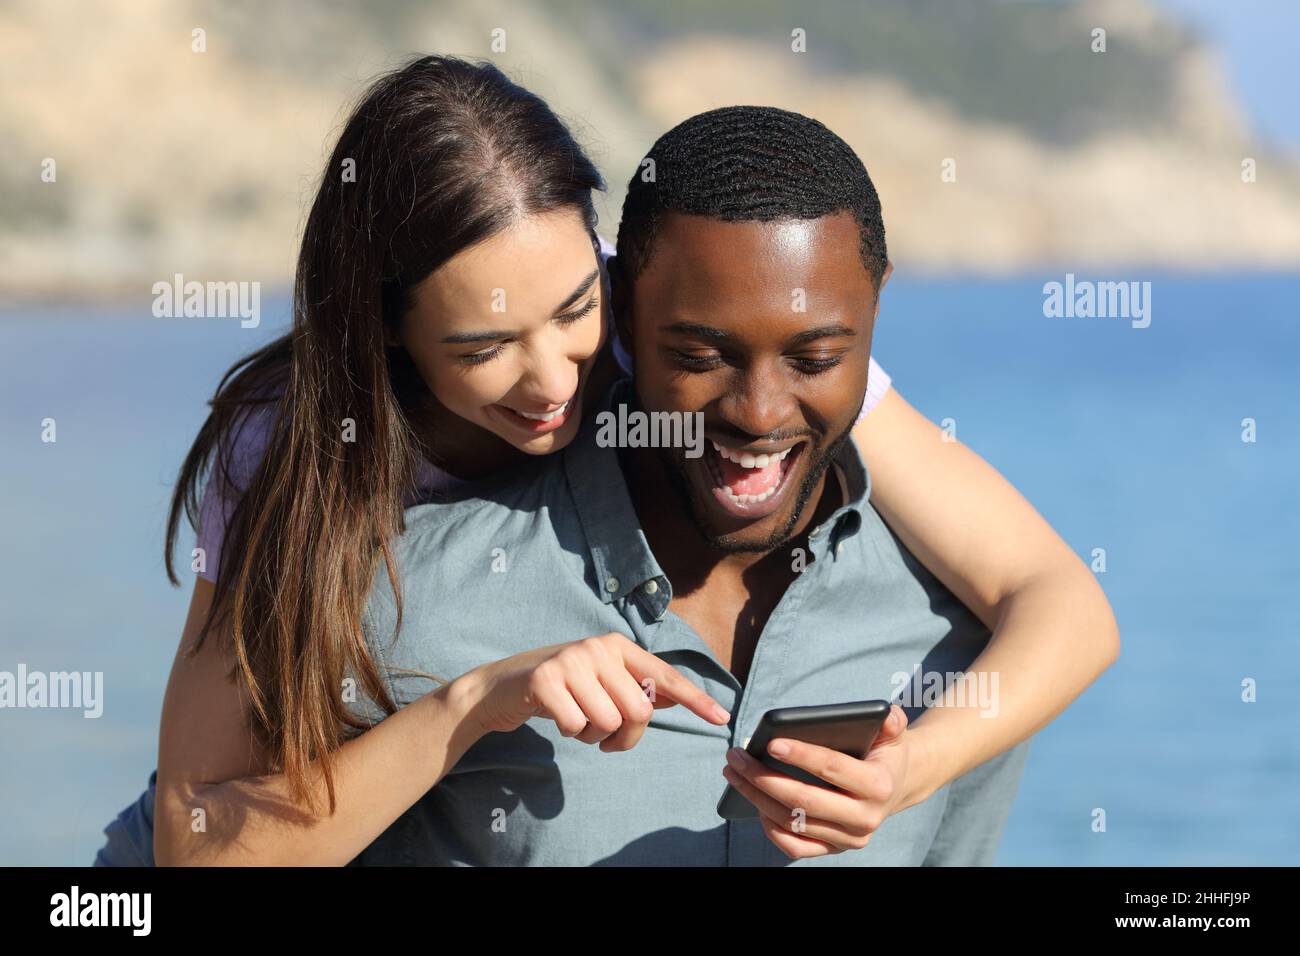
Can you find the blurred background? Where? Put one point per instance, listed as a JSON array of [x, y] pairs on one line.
[[1173, 157]]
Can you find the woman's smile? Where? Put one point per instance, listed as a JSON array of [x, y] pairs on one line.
[[539, 422]]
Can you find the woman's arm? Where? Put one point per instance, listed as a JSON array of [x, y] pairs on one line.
[[593, 689], [1053, 629], [207, 762]]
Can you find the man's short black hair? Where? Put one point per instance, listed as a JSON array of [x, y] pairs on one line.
[[744, 164]]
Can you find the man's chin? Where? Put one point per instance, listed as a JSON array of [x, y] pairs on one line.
[[730, 533], [742, 543]]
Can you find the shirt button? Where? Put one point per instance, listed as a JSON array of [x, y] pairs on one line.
[[652, 586], [611, 585], [816, 532]]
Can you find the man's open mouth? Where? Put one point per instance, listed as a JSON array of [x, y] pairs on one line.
[[750, 483]]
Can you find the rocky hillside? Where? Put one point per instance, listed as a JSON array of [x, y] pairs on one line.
[[170, 160]]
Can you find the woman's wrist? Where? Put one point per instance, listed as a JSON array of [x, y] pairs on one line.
[[924, 772], [457, 705]]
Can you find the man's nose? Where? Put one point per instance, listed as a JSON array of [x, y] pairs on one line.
[[759, 402]]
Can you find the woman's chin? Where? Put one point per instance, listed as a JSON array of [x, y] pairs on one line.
[[543, 445], [547, 443]]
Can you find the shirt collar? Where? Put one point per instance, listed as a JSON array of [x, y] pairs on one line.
[[620, 554], [850, 472]]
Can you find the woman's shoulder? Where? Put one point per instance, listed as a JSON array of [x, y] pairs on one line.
[[241, 449]]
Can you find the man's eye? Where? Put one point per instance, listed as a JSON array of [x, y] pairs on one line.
[[812, 365], [478, 358], [696, 361]]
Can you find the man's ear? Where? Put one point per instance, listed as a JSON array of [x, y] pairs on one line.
[[884, 278], [620, 301]]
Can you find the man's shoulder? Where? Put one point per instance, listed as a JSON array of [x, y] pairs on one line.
[[479, 574], [514, 538], [532, 495]]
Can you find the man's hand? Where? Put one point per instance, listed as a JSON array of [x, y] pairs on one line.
[[807, 820]]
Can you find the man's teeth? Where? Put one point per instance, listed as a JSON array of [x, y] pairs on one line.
[[546, 416], [750, 499], [746, 460]]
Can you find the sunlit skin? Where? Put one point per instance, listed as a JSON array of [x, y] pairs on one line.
[[714, 328], [507, 328], [715, 325], [946, 504]]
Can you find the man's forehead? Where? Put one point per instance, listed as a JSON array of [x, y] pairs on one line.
[[704, 258]]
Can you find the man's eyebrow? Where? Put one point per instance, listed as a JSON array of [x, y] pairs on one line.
[[823, 332], [721, 335], [699, 331], [468, 338]]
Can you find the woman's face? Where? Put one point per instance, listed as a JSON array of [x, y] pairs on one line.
[[505, 333]]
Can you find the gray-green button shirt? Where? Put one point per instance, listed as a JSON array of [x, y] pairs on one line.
[[556, 553]]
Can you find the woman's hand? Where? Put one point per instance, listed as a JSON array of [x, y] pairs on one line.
[[600, 690], [807, 820]]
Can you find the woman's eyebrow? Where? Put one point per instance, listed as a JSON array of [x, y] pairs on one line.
[[577, 293], [469, 338], [464, 338]]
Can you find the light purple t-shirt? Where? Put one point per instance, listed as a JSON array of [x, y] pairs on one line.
[[248, 444]]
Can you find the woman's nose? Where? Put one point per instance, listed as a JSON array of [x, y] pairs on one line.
[[552, 377]]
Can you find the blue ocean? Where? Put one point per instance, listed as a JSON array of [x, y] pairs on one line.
[[1126, 439]]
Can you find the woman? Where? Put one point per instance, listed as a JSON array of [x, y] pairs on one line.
[[408, 372]]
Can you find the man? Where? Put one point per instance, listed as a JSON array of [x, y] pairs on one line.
[[746, 288]]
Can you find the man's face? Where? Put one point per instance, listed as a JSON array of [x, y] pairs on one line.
[[765, 327]]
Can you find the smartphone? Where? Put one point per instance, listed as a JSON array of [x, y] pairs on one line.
[[849, 728]]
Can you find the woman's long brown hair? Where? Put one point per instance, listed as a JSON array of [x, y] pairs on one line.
[[436, 157]]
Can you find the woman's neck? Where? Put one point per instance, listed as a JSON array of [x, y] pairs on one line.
[[459, 447]]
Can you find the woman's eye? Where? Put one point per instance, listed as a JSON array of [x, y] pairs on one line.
[[478, 358], [568, 318]]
